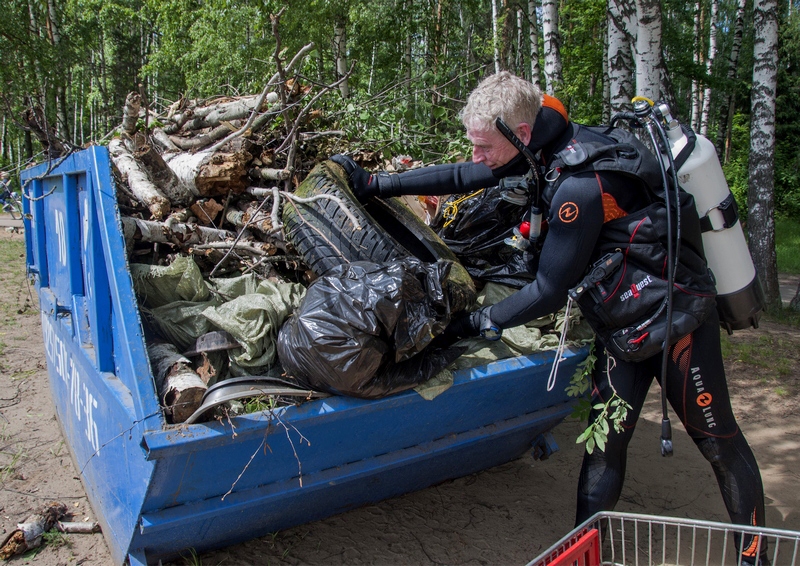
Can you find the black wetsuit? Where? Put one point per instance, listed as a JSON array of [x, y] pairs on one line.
[[696, 386]]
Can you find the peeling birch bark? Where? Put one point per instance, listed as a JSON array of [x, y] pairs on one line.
[[138, 182]]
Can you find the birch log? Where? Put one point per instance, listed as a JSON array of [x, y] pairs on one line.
[[29, 533], [138, 181], [179, 387], [214, 115], [164, 177], [161, 138], [210, 174], [171, 232], [130, 113]]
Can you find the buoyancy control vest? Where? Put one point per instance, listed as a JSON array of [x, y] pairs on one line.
[[624, 293]]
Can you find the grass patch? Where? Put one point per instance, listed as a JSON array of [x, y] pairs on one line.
[[23, 374], [787, 244], [8, 470], [56, 539], [785, 316], [772, 355]]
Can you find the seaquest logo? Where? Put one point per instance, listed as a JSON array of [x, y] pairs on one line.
[[633, 292]]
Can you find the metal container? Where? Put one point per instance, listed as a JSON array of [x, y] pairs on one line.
[[158, 489], [612, 538]]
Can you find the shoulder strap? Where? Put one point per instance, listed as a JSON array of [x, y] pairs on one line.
[[623, 153]]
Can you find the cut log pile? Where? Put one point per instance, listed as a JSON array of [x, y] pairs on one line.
[[208, 176], [207, 179]]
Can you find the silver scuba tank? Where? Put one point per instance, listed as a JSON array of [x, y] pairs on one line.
[[740, 297]]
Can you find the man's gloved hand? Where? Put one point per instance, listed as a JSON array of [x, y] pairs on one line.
[[363, 184], [467, 325]]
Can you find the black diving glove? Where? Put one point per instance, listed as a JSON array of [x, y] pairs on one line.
[[468, 325], [364, 185]]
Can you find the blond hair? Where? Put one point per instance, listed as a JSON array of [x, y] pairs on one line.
[[502, 95]]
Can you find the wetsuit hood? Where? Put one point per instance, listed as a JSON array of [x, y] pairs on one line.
[[551, 123]]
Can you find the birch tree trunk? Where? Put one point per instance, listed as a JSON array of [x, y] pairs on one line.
[[506, 48], [533, 34], [695, 117], [761, 186], [552, 47], [648, 49], [620, 54], [518, 57], [340, 52], [407, 59], [495, 38], [726, 120], [712, 53], [606, 94]]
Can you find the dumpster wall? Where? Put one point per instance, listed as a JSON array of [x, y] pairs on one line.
[[160, 489]]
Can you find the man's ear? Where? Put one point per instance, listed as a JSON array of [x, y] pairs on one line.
[[523, 132]]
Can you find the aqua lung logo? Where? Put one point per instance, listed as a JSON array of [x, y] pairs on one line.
[[704, 398], [633, 292]]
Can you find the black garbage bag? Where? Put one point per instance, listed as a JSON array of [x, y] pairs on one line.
[[363, 328], [475, 230]]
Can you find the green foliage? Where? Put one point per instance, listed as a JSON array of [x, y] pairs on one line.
[[583, 28], [413, 64], [220, 47], [787, 244], [787, 125], [390, 123], [54, 539], [735, 168], [610, 414]]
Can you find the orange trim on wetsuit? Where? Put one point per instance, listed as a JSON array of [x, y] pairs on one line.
[[611, 209]]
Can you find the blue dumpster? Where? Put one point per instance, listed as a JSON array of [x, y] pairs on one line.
[[158, 489]]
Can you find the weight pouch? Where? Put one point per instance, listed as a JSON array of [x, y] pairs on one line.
[[627, 308]]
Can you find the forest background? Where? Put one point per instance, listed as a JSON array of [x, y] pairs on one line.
[[403, 69]]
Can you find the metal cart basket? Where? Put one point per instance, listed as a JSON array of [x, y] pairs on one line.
[[610, 538]]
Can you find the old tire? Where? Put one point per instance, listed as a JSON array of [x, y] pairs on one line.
[[324, 236]]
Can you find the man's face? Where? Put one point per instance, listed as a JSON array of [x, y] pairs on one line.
[[492, 148]]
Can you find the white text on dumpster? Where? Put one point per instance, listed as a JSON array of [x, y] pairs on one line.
[[82, 402]]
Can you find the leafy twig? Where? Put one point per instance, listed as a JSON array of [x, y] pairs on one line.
[[612, 413]]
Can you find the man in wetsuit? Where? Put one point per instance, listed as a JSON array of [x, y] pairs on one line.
[[696, 385]]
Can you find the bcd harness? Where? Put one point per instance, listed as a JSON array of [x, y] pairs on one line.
[[624, 293]]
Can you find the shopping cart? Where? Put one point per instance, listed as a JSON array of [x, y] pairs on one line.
[[610, 538]]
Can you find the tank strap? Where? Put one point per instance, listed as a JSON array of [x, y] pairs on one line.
[[730, 215]]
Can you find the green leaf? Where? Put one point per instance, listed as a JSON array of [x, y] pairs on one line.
[[601, 443]]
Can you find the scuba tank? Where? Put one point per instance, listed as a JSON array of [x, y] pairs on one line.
[[740, 297]]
